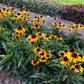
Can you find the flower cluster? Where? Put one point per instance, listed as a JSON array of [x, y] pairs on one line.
[[71, 58], [4, 12], [42, 56], [18, 31], [59, 25]]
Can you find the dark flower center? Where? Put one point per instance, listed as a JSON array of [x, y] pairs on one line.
[[19, 28], [65, 59], [62, 54], [72, 50], [18, 13], [77, 66], [65, 67], [58, 36], [38, 49], [43, 58], [35, 62], [36, 25], [34, 36], [65, 50], [40, 34], [42, 53], [47, 35], [72, 69], [81, 55], [74, 55]]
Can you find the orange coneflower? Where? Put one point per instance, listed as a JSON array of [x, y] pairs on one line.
[[41, 17], [48, 56], [34, 62], [81, 57], [42, 53], [39, 34], [20, 29], [46, 36], [34, 37], [43, 59], [77, 68], [74, 56], [37, 50], [65, 60], [58, 37], [8, 7]]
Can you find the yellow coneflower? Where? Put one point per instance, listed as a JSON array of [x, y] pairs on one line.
[[8, 7], [48, 56], [43, 59], [65, 60], [58, 37], [24, 19], [39, 34], [28, 16], [41, 17], [17, 22], [42, 53], [61, 53], [71, 50], [16, 34], [81, 57], [34, 62], [38, 21], [37, 50], [31, 21], [54, 24], [20, 29], [74, 56], [77, 68], [34, 37], [35, 27], [46, 36], [35, 18]]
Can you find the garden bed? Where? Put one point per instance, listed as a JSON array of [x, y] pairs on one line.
[[23, 40]]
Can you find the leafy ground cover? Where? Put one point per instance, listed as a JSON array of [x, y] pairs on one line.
[[69, 2], [39, 54]]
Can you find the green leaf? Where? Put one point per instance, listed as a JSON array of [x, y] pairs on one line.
[[39, 75], [6, 58]]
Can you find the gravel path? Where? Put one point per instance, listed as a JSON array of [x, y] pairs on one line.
[[4, 79]]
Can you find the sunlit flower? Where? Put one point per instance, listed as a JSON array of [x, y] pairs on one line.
[[34, 62], [20, 29], [46, 36], [43, 59], [58, 37], [39, 34], [77, 68], [37, 50], [8, 7], [48, 56], [42, 53], [34, 37], [65, 60], [74, 56], [41, 17]]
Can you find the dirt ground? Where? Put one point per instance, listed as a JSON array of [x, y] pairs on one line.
[[4, 79]]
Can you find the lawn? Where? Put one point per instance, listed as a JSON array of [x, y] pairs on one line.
[[69, 2]]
